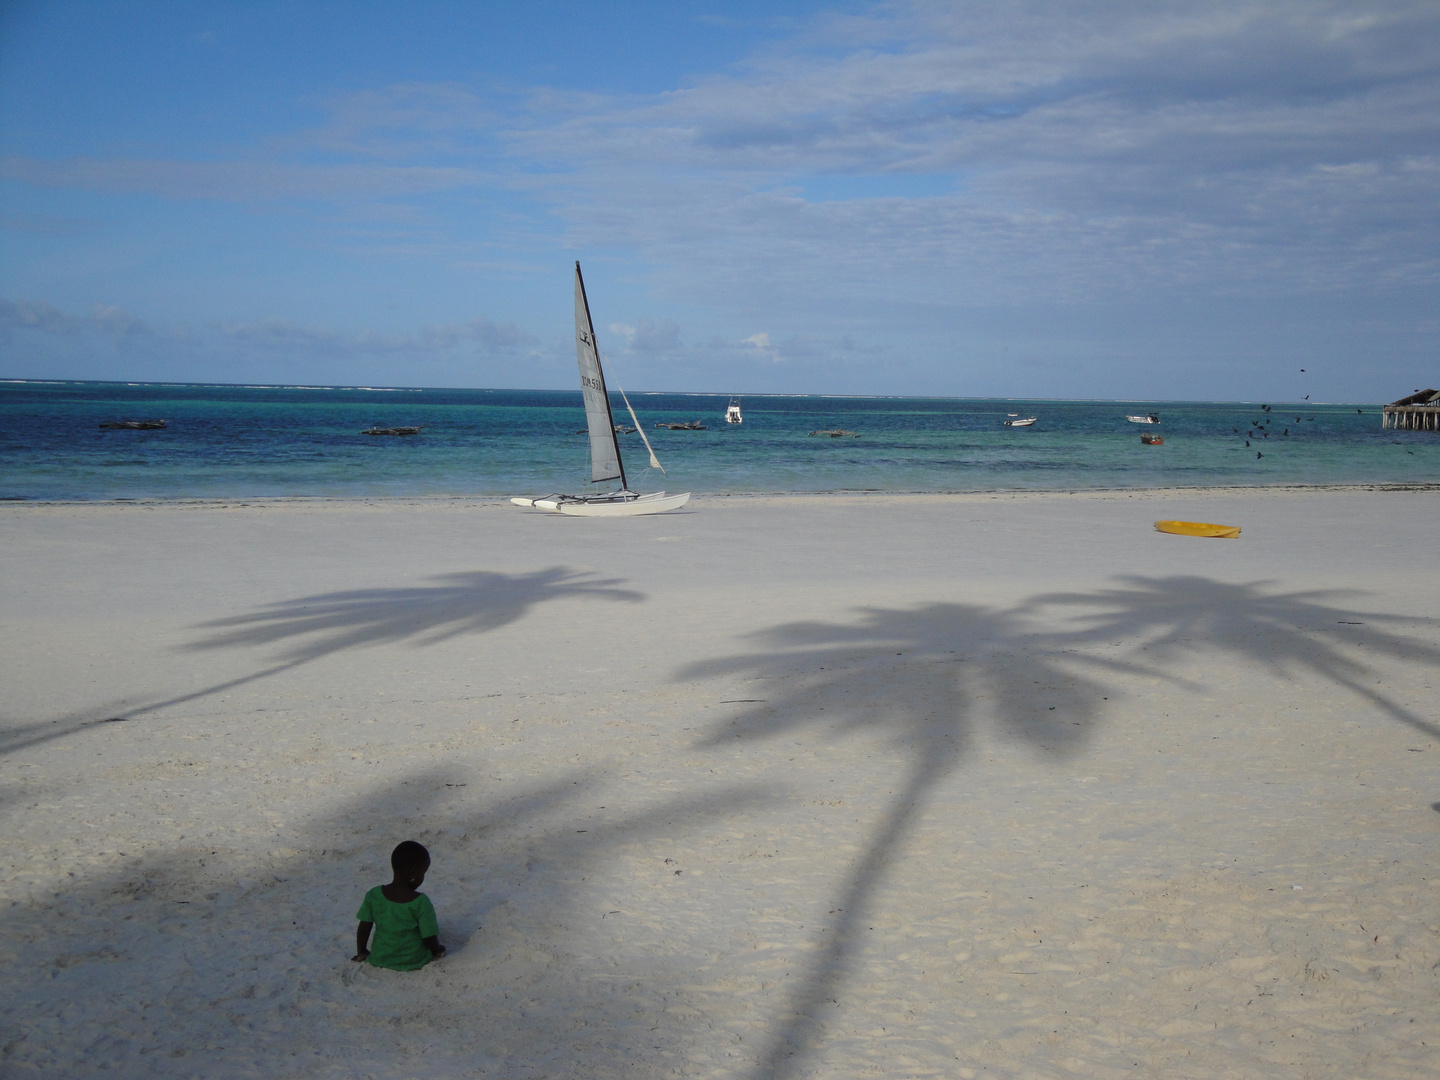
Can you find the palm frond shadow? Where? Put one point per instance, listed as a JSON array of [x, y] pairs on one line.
[[918, 678], [1292, 635], [313, 627], [474, 602]]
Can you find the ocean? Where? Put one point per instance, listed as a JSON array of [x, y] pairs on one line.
[[225, 441]]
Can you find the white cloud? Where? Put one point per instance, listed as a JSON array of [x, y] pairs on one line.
[[1125, 157], [655, 335], [400, 121], [1098, 153], [481, 335], [1096, 146], [38, 316], [241, 181], [481, 339]]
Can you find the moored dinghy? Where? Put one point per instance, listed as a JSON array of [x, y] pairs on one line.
[[605, 463]]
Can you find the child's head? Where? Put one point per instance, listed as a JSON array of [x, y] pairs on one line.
[[410, 860]]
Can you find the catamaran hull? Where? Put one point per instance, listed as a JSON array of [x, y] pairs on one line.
[[656, 503]]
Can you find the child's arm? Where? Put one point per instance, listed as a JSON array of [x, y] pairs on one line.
[[433, 944], [362, 941]]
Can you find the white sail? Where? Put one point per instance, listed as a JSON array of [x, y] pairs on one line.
[[604, 451], [605, 461], [640, 430]]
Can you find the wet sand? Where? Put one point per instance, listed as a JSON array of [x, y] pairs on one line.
[[952, 786]]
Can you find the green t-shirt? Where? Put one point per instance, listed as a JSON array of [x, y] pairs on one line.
[[400, 930]]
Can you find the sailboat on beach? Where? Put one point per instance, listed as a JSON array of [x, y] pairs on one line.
[[605, 463]]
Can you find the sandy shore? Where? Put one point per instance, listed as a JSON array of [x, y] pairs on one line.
[[951, 786]]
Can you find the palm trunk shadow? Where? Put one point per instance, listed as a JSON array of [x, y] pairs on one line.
[[916, 678], [829, 971], [1015, 656]]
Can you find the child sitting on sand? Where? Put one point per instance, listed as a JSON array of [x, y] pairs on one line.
[[407, 936]]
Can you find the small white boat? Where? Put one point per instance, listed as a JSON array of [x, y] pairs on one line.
[[1152, 418], [605, 463], [1020, 423], [732, 412]]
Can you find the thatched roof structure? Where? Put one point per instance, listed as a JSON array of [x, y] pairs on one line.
[[1418, 412], [1420, 397]]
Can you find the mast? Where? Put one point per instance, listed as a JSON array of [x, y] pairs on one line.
[[605, 463]]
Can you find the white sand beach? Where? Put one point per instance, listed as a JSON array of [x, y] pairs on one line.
[[881, 786]]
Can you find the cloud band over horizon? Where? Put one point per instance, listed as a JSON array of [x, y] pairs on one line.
[[982, 199]]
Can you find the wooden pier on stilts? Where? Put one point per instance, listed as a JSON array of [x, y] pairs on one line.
[[1418, 412]]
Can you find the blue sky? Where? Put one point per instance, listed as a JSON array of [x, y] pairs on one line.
[[1159, 200]]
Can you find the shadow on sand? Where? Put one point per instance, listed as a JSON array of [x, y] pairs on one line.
[[216, 966], [313, 627], [917, 678]]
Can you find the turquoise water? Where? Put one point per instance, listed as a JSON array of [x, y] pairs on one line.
[[236, 441]]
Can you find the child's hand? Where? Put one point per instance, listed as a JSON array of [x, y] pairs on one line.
[[360, 957]]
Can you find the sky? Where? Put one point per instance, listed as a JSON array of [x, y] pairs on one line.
[[1179, 200]]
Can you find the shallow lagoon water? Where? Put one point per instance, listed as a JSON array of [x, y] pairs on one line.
[[246, 441]]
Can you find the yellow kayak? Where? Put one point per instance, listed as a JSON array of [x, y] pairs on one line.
[[1197, 528]]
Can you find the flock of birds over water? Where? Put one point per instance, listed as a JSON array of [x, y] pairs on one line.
[[1260, 429], [1263, 424]]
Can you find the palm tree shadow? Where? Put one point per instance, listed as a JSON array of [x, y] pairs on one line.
[[1295, 634], [310, 628], [474, 602], [917, 677]]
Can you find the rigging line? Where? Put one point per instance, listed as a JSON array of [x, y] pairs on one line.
[[654, 461]]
